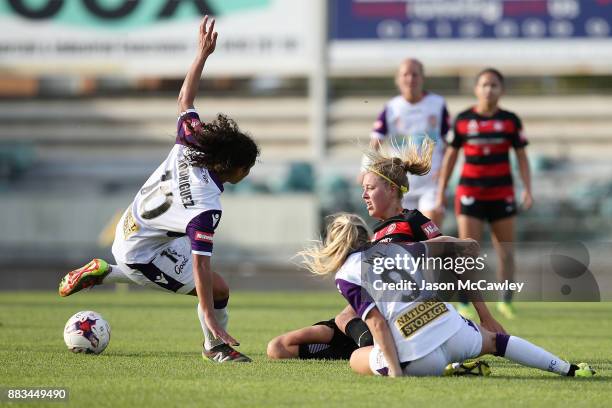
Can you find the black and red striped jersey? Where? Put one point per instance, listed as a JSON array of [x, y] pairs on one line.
[[486, 142], [409, 226]]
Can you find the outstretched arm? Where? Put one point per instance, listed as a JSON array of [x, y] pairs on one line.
[[206, 45], [471, 248]]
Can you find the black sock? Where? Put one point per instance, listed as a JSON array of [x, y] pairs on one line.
[[572, 370], [358, 330]]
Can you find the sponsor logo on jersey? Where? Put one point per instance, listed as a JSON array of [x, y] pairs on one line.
[[430, 229], [420, 316], [178, 259], [129, 225], [203, 236], [184, 186], [402, 228]]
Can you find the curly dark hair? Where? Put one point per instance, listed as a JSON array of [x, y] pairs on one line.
[[220, 146]]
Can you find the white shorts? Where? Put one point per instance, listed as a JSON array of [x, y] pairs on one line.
[[171, 269], [423, 199], [463, 345]]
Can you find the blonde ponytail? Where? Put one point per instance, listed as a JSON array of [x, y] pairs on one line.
[[345, 233], [412, 159]]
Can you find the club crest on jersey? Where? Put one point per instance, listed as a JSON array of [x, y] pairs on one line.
[[390, 229], [204, 236], [430, 229], [472, 127]]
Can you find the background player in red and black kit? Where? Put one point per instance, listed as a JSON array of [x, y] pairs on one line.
[[485, 192], [384, 185]]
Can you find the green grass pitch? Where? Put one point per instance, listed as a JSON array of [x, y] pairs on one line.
[[154, 356]]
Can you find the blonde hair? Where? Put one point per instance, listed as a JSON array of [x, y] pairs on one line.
[[412, 159], [345, 233]]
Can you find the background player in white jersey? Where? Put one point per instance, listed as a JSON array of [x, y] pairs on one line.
[[164, 239], [440, 336], [411, 117]]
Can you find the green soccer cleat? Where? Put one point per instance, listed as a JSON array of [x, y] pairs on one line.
[[584, 370], [474, 368], [466, 311], [507, 310], [89, 275], [224, 353]]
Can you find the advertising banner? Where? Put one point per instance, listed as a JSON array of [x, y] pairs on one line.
[[536, 35], [153, 37]]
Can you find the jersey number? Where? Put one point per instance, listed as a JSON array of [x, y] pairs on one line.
[[157, 197]]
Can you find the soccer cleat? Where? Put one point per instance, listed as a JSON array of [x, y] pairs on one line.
[[506, 309], [475, 368], [464, 310], [584, 370], [224, 353], [89, 275]]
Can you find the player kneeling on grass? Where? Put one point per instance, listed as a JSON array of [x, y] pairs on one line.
[[164, 240], [428, 349]]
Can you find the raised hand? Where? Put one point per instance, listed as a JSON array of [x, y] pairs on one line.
[[208, 37]]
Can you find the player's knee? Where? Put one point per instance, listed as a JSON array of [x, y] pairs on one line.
[[220, 289], [488, 342], [343, 318], [276, 349], [360, 361]]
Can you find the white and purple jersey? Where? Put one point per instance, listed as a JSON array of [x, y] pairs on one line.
[[418, 321], [177, 200], [401, 121]]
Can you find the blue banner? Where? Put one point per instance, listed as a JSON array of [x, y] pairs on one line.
[[470, 19]]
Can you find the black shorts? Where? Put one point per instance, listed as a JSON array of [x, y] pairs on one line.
[[486, 210], [340, 347]]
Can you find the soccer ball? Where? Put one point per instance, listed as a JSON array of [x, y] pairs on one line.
[[87, 332]]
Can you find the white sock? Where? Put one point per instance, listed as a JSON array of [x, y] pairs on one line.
[[116, 275], [211, 341], [525, 353]]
